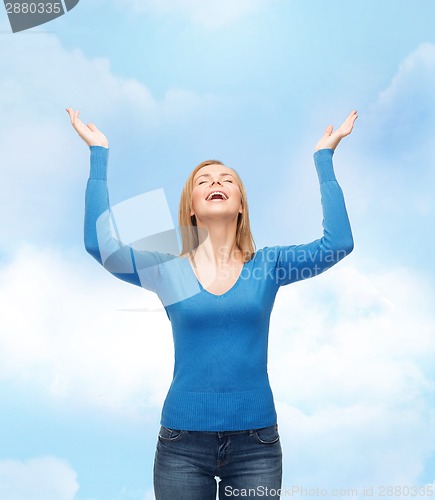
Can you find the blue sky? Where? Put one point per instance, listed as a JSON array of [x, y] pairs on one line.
[[252, 83]]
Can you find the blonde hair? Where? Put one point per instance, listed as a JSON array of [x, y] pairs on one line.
[[187, 223]]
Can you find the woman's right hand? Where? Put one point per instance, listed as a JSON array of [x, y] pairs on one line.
[[331, 139], [89, 133]]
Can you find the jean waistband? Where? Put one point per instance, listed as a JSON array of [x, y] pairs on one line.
[[227, 433]]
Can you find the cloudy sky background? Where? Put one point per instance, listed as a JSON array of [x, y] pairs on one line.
[[252, 83]]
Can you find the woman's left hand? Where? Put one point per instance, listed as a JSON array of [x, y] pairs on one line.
[[331, 139]]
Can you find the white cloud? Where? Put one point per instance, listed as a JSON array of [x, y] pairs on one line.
[[402, 119], [45, 478], [421, 63], [63, 331], [351, 367], [355, 446], [209, 13]]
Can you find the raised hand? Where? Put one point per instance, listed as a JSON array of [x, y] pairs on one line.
[[89, 133], [331, 139]]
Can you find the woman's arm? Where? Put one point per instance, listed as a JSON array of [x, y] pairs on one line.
[[298, 262], [101, 241], [139, 267]]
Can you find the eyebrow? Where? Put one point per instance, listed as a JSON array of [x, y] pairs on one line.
[[208, 175]]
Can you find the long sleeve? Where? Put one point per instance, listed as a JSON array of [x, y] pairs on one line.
[[100, 238], [298, 262]]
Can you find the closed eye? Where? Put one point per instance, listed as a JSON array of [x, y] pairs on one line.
[[227, 180]]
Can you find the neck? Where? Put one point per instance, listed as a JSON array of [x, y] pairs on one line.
[[220, 245]]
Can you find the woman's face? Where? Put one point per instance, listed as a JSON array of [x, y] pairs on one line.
[[226, 200]]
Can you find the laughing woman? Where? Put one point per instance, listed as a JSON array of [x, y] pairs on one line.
[[218, 418]]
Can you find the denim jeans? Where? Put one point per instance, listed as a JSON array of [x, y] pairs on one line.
[[248, 463]]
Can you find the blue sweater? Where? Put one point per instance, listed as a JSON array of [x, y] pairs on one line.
[[220, 380]]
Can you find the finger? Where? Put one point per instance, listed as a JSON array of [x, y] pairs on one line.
[[352, 117], [328, 130], [347, 126], [78, 121], [70, 113], [78, 125], [74, 121]]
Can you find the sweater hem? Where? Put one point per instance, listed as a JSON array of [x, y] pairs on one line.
[[219, 411]]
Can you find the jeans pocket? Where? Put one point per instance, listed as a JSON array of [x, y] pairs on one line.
[[267, 435], [166, 434]]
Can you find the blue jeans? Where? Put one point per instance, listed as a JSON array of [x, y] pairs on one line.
[[248, 463]]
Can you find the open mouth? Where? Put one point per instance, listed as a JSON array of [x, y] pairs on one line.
[[217, 196]]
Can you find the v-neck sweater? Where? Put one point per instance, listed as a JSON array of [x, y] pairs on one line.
[[220, 379]]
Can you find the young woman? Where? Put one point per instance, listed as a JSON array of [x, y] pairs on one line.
[[218, 419]]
